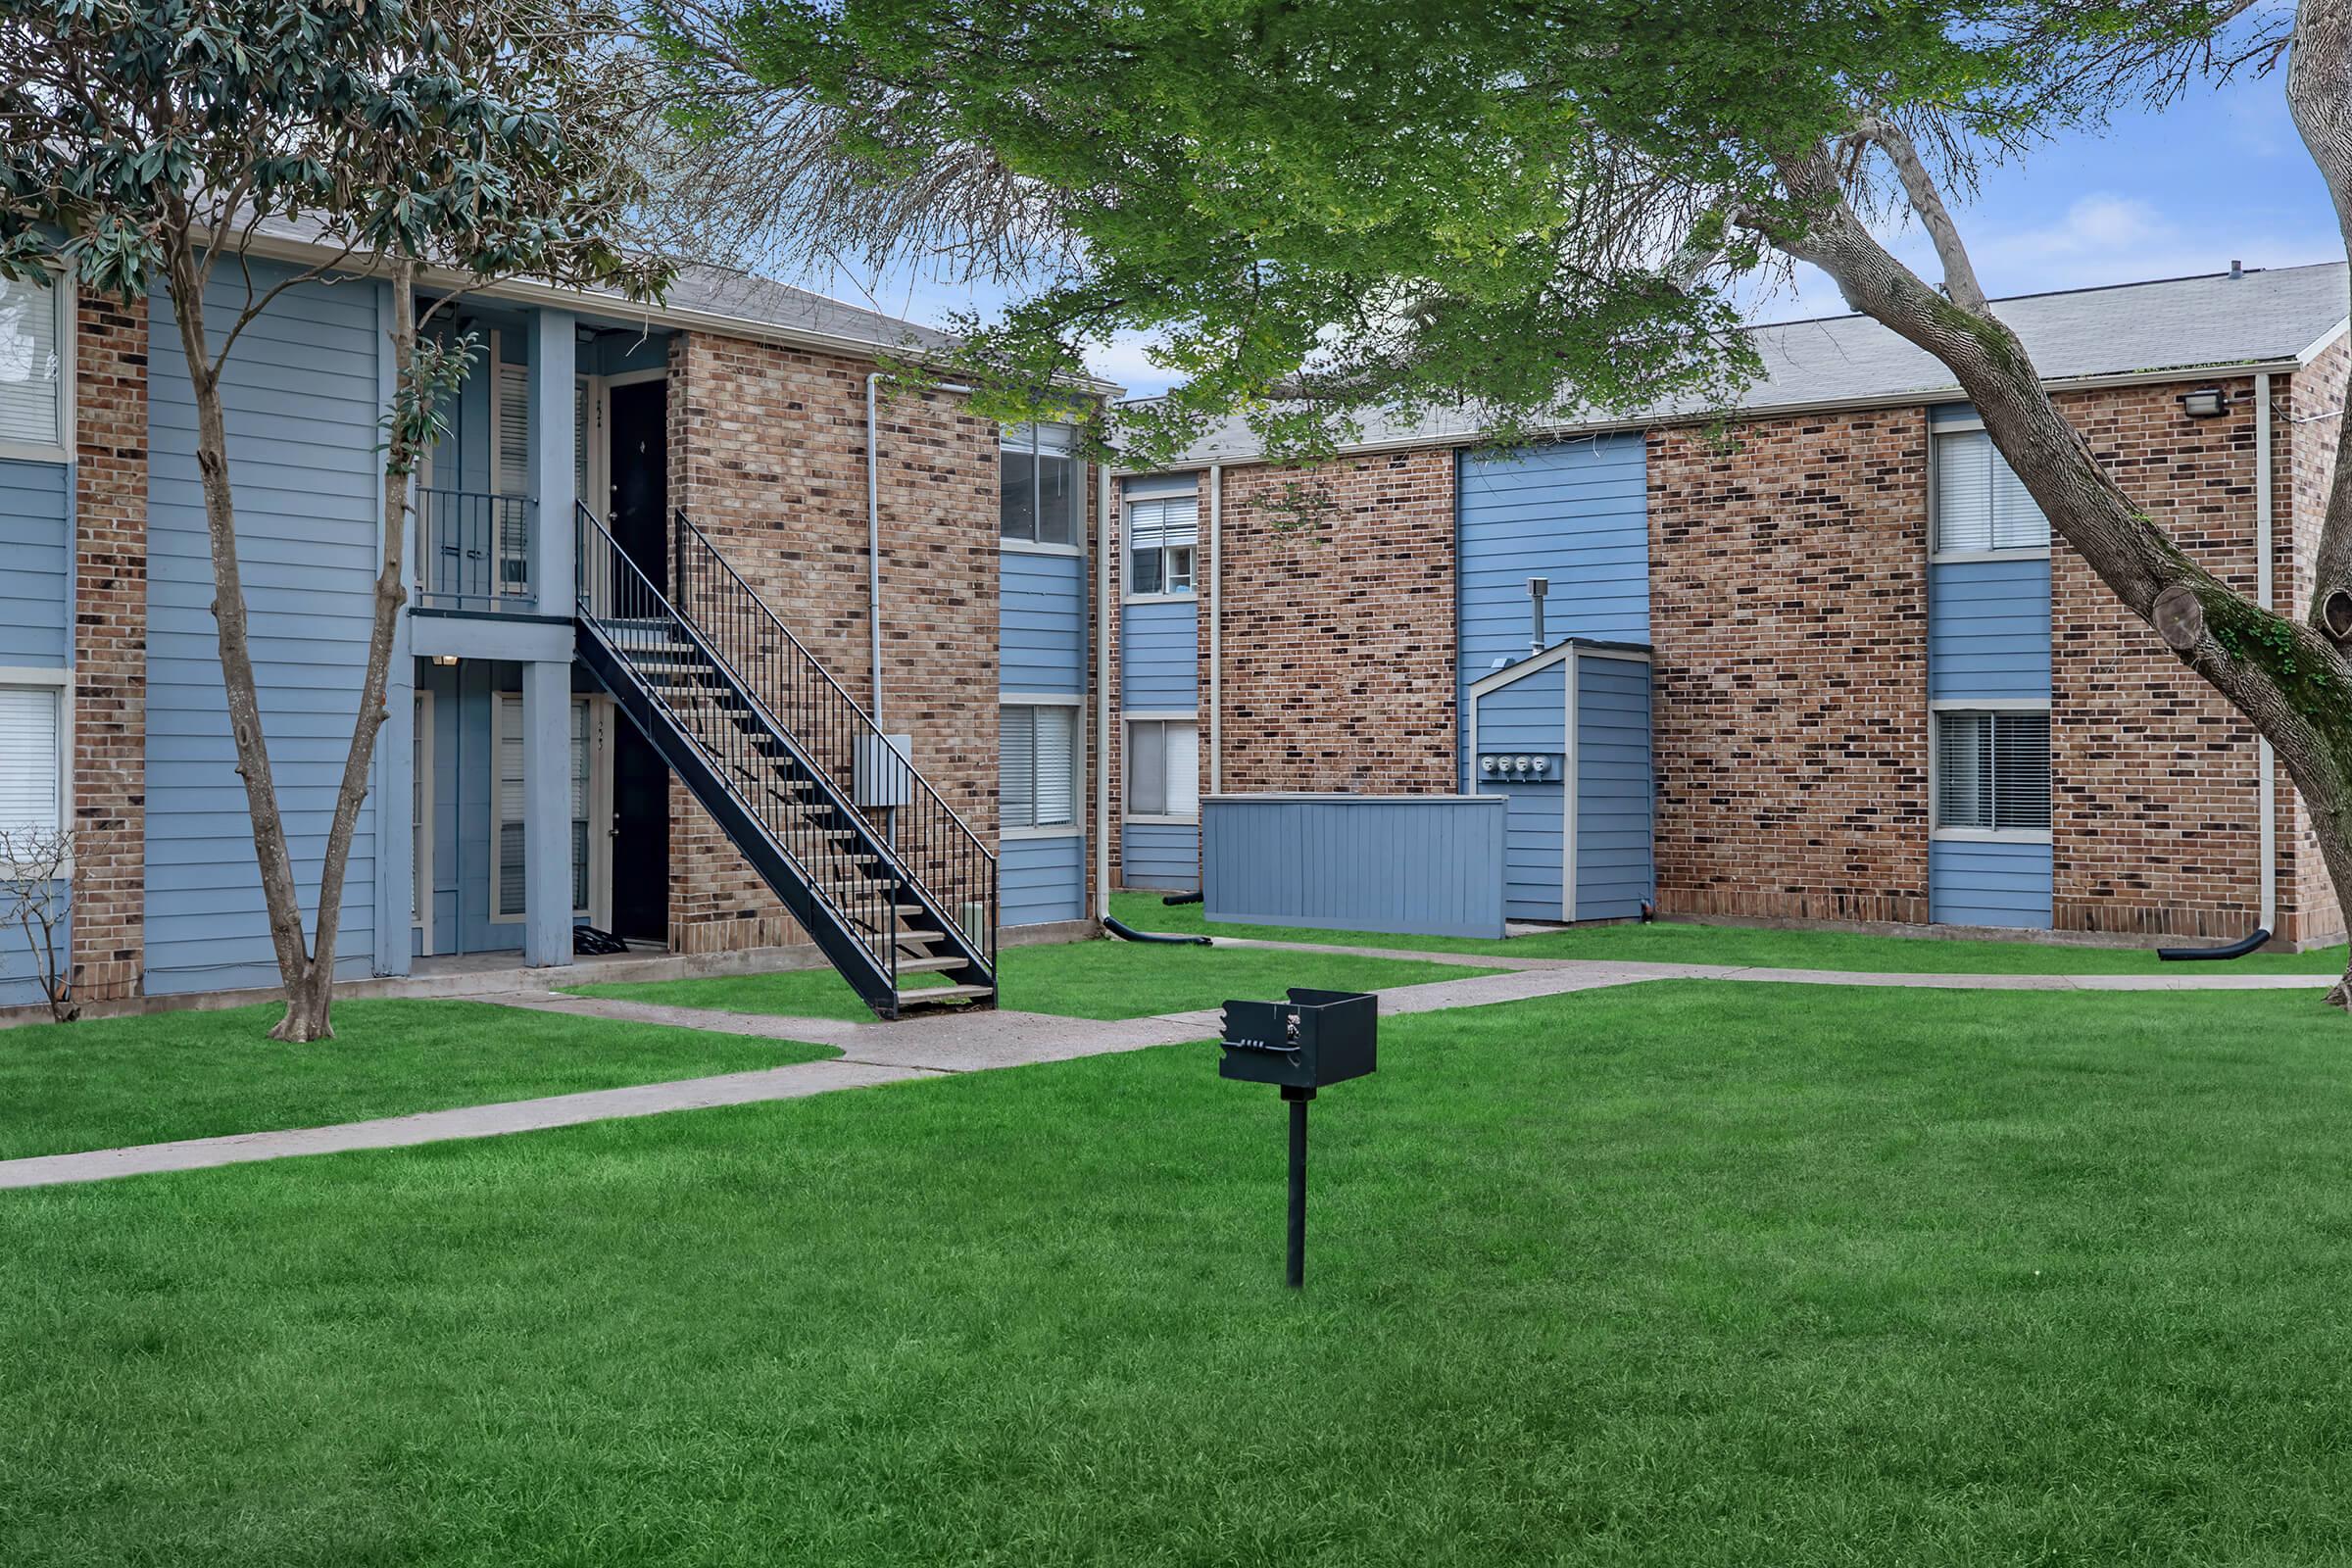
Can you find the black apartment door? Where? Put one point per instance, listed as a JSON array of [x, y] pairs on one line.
[[638, 416]]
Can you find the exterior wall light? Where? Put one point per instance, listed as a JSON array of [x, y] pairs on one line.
[[2205, 402], [445, 661]]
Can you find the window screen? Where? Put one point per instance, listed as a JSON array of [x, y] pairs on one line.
[[31, 363], [1037, 756], [1163, 769], [1992, 771], [1979, 503], [29, 771]]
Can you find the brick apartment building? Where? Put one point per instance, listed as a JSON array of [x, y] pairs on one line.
[[715, 639], [1881, 692]]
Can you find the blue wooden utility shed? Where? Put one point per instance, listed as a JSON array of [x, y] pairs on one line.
[[1563, 737]]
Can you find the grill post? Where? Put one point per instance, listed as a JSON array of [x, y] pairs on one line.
[[1294, 1274]]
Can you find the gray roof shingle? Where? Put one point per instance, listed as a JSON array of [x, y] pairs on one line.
[[2179, 324]]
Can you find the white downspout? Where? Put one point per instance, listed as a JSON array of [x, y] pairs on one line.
[[1216, 628], [873, 541], [1103, 640], [2266, 791]]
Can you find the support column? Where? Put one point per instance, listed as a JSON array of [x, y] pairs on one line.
[[547, 806], [554, 480]]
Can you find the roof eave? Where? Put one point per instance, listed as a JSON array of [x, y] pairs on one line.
[[717, 324], [1915, 398]]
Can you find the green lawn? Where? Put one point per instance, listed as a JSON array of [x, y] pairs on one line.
[[1678, 1274], [106, 1081], [1106, 979], [1678, 943]]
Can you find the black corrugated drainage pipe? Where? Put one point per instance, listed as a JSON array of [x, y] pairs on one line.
[[1174, 899], [1120, 928], [2236, 950]]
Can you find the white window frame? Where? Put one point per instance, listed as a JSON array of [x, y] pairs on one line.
[[1079, 480], [1986, 835], [1127, 590], [1939, 557], [1127, 723], [68, 360], [422, 888], [598, 911], [1076, 827], [60, 682]]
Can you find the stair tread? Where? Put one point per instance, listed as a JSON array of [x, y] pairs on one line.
[[907, 994], [953, 961]]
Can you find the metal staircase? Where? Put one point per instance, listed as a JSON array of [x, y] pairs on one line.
[[862, 850]]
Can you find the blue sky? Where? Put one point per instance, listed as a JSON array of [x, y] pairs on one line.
[[2218, 175]]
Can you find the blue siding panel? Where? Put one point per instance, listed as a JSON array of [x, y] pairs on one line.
[[1575, 511], [1160, 657], [1042, 639], [1529, 714], [1431, 864], [1614, 868], [1535, 849], [1988, 630], [301, 390], [1042, 880], [1041, 624], [36, 562], [1161, 854], [1973, 883]]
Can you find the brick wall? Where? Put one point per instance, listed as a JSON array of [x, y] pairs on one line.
[[2308, 404], [1339, 629], [766, 453], [2155, 826], [109, 648], [1789, 616]]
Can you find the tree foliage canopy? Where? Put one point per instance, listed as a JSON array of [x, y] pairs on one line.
[[1318, 207], [461, 133]]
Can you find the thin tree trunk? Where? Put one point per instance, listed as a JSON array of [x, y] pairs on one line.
[[307, 1004], [279, 895], [306, 967]]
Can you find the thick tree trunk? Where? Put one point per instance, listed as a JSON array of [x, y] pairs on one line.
[[2288, 680], [306, 967]]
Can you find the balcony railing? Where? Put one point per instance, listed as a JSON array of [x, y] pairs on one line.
[[474, 551]]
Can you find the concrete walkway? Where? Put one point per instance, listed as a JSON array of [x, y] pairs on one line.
[[915, 1049]]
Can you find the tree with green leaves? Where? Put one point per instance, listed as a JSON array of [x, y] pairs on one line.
[[1538, 212], [145, 144]]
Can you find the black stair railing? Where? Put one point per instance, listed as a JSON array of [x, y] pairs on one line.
[[734, 680], [954, 869], [676, 670]]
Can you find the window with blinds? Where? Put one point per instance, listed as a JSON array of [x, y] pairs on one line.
[[1163, 767], [32, 370], [32, 777], [513, 393], [1980, 505], [1992, 771], [512, 475], [1037, 765], [507, 867], [1163, 536], [1042, 485]]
